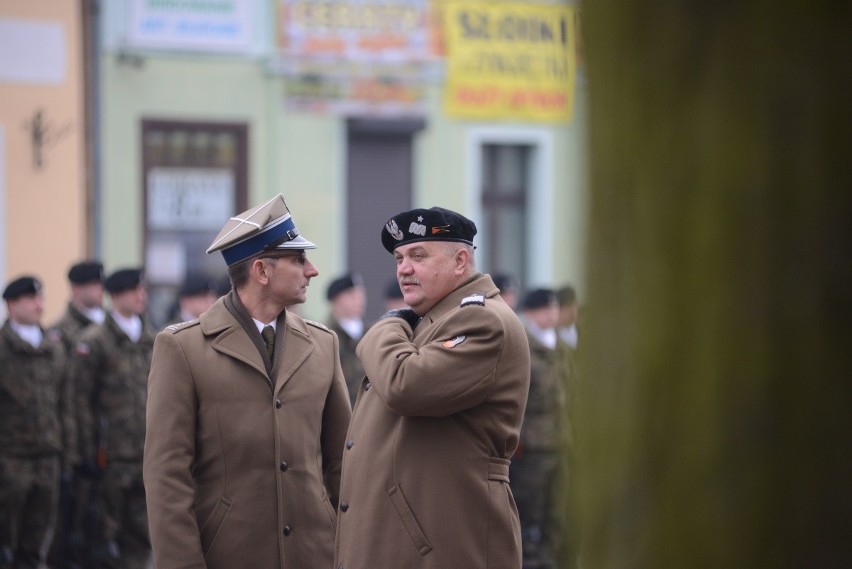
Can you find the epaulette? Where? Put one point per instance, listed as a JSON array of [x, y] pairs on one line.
[[174, 328], [475, 299], [316, 324]]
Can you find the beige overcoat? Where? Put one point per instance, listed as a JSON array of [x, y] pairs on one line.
[[242, 470], [425, 475]]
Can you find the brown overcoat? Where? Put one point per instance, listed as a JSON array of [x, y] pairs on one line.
[[241, 470], [425, 473]]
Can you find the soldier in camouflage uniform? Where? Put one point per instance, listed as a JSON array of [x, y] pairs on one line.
[[111, 370], [34, 425], [348, 302], [85, 308], [536, 465]]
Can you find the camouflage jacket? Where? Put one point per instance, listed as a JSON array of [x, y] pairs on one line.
[[35, 419], [545, 418], [72, 323], [353, 371], [110, 373]]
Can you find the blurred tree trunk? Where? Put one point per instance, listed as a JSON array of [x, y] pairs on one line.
[[713, 415]]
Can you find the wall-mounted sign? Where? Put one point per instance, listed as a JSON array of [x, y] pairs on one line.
[[189, 198], [196, 25]]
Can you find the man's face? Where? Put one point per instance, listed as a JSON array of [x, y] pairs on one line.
[[290, 275], [350, 303], [427, 271], [89, 295], [545, 317], [196, 304], [130, 302], [27, 309], [568, 314]]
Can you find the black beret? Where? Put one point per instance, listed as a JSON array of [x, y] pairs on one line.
[[196, 285], [538, 298], [21, 286], [393, 290], [123, 279], [504, 281], [343, 283], [433, 224], [86, 272]]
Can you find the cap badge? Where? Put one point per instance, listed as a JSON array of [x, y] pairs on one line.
[[454, 342], [417, 229], [393, 229]]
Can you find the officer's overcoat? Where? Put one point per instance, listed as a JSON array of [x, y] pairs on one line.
[[241, 470], [425, 473]]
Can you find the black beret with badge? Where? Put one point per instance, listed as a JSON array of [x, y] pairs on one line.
[[196, 285], [433, 224], [123, 279], [266, 227], [22, 286], [539, 298], [86, 272]]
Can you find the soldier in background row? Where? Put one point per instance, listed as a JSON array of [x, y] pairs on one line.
[[509, 289], [536, 467], [35, 426], [85, 308], [196, 295], [568, 313], [112, 364], [348, 302]]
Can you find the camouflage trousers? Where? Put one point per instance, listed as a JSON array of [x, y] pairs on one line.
[[125, 516], [533, 476], [29, 489]]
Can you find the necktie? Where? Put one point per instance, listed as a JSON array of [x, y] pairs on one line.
[[268, 335]]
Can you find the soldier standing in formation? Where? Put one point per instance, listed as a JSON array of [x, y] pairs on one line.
[[111, 374], [35, 426], [536, 469], [196, 295], [85, 308], [247, 414], [348, 302], [426, 468]]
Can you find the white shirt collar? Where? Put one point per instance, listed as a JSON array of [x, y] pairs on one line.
[[131, 326], [29, 333], [260, 325], [545, 336], [96, 314], [353, 326]]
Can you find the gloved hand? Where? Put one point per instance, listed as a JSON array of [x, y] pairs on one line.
[[406, 314]]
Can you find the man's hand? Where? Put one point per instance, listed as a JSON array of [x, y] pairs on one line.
[[406, 314]]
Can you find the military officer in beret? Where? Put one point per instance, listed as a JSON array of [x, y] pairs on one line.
[[85, 308], [196, 295], [112, 361], [34, 425], [426, 468], [544, 435], [348, 301], [247, 414]]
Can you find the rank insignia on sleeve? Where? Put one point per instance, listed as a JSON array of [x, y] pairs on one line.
[[454, 342], [476, 299]]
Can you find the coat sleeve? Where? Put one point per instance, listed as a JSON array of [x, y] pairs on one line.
[[169, 453], [448, 375], [335, 423]]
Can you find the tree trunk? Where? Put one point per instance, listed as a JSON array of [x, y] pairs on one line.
[[713, 415]]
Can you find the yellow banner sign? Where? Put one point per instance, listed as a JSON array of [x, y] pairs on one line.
[[509, 61]]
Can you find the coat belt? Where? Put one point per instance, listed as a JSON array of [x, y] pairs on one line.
[[498, 469]]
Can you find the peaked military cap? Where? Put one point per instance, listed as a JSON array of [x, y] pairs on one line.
[[123, 279], [539, 298], [342, 284], [86, 272], [263, 228], [433, 224], [21, 286]]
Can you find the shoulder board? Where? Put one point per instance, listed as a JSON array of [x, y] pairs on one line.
[[316, 324], [476, 299], [181, 326]]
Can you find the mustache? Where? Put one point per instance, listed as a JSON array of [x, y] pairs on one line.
[[409, 281]]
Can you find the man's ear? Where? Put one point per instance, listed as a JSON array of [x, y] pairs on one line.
[[259, 271], [462, 258]]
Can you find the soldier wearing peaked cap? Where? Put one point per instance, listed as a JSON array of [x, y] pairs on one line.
[[35, 425], [448, 378], [247, 414], [110, 367]]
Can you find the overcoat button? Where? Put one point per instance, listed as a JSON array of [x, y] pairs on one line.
[[344, 506], [349, 444], [278, 404], [287, 530], [284, 466]]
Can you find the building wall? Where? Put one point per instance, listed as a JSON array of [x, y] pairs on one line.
[[43, 218]]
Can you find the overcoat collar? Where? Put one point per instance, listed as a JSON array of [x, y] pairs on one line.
[[229, 337], [478, 284]]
